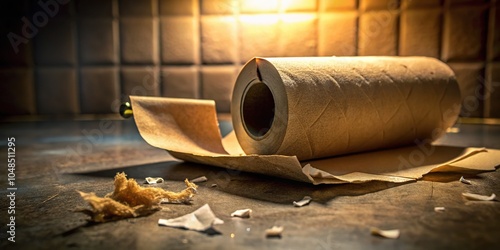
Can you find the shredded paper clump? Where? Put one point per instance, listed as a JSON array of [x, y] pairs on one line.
[[131, 200]]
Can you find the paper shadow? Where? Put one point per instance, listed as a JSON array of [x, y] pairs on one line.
[[245, 184]]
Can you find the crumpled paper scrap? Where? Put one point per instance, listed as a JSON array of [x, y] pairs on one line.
[[131, 200], [242, 213], [201, 220], [274, 232], [154, 180]]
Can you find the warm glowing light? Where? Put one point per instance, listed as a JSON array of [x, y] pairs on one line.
[[259, 5], [261, 19]]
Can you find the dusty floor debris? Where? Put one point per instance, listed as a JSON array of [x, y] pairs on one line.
[[199, 179], [131, 200]]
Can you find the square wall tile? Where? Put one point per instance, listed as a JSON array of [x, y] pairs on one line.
[[55, 43], [179, 40], [17, 92], [495, 31], [219, 7], [298, 5], [299, 35], [413, 4], [335, 5], [135, 8], [142, 81], [178, 7], [99, 89], [378, 34], [55, 9], [139, 41], [493, 89], [180, 82], [465, 2], [97, 41], [218, 39], [259, 6], [464, 34], [366, 5], [470, 78], [56, 91], [338, 33], [15, 47], [266, 27], [95, 8], [217, 84], [420, 33]]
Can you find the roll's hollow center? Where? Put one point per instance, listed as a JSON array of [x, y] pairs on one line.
[[257, 110]]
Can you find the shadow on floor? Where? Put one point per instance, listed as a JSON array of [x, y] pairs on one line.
[[249, 185]]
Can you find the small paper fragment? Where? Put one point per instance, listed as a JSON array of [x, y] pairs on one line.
[[390, 234], [465, 181], [439, 209], [478, 197], [306, 200], [242, 213], [274, 231], [154, 180], [200, 220], [199, 179]]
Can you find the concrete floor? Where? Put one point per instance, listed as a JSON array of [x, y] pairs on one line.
[[54, 159]]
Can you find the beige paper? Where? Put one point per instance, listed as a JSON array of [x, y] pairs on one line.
[[305, 108]]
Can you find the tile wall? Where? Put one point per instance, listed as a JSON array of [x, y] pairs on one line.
[[62, 57]]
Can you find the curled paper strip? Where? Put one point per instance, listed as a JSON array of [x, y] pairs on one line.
[[390, 234], [465, 181], [318, 120], [306, 200], [477, 197], [439, 209]]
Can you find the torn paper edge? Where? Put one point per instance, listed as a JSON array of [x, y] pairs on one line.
[[465, 181], [306, 200], [154, 180], [242, 213], [193, 220], [439, 209], [390, 234], [199, 179], [478, 197], [274, 231]]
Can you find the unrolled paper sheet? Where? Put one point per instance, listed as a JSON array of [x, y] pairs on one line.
[[319, 120]]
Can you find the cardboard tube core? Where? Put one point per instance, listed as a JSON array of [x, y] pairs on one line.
[[257, 110]]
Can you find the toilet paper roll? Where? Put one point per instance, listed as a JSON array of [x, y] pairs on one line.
[[326, 106]]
